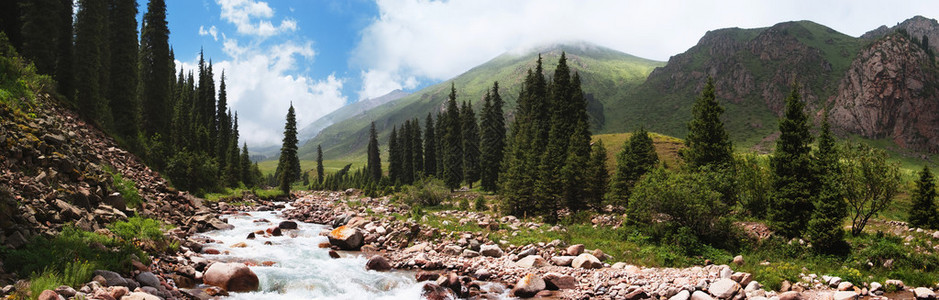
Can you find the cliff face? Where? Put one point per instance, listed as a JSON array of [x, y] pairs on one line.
[[917, 27], [890, 91]]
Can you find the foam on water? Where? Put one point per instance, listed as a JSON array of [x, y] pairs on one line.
[[302, 270]]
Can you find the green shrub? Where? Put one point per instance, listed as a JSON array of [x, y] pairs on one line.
[[48, 280], [427, 192], [55, 254], [416, 212], [145, 232], [773, 275], [464, 204], [127, 188], [480, 204]]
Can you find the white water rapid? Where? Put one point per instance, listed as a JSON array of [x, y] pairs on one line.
[[302, 270]]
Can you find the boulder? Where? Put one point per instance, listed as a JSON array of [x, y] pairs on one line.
[[532, 261], [469, 253], [683, 295], [378, 263], [637, 294], [68, 292], [490, 250], [140, 296], [564, 261], [452, 282], [586, 261], [790, 295], [233, 277], [148, 279], [923, 293], [49, 295], [725, 288], [452, 250], [431, 291], [287, 225], [575, 250], [114, 279], [699, 295], [894, 282], [845, 295], [528, 286], [426, 276], [738, 260], [845, 286], [875, 286], [346, 238], [557, 281]]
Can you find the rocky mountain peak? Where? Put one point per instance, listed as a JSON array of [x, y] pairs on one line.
[[916, 27]]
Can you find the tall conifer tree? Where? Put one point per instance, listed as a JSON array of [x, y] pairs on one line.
[[923, 208], [453, 141], [794, 178], [417, 147], [288, 168], [430, 147], [406, 154], [470, 144], [374, 158], [708, 144], [394, 156], [824, 228], [598, 176], [91, 40], [320, 171], [637, 158], [122, 92], [154, 69], [492, 142]]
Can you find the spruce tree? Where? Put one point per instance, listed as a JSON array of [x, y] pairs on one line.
[[453, 141], [65, 59], [122, 92], [430, 147], [923, 208], [417, 149], [374, 158], [394, 157], [707, 142], [233, 161], [407, 148], [439, 134], [575, 171], [470, 145], [794, 179], [154, 69], [92, 70], [246, 167], [637, 158], [598, 180], [288, 168], [492, 142], [524, 146], [824, 228], [39, 33], [223, 121], [320, 171]]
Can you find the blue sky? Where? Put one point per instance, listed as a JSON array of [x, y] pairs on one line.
[[321, 55]]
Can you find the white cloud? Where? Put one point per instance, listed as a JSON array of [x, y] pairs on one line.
[[211, 31], [436, 40], [261, 85], [253, 18]]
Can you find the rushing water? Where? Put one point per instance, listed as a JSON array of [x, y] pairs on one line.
[[302, 270]]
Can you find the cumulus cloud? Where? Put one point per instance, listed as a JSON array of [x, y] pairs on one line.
[[436, 40], [211, 31], [261, 84], [253, 18]]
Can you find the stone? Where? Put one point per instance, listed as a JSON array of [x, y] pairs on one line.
[[68, 292], [875, 286], [935, 235], [49, 295], [490, 250], [426, 276], [753, 286], [557, 281], [140, 296], [586, 261], [452, 282], [575, 250], [482, 274], [333, 253], [738, 260], [251, 236], [431, 291], [378, 263], [599, 254], [699, 295], [834, 281], [636, 295], [287, 225], [564, 261], [346, 238], [845, 295], [894, 282], [923, 293], [845, 286], [682, 295], [724, 288], [233, 277], [528, 286], [275, 231], [416, 248], [469, 253], [528, 252], [118, 292], [532, 261], [726, 272], [452, 250], [114, 279], [148, 279], [790, 295], [239, 245], [785, 286]]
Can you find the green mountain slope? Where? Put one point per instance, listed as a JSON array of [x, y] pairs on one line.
[[606, 75], [753, 70]]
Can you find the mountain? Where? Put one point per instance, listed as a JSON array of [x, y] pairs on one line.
[[346, 112], [606, 75], [916, 27]]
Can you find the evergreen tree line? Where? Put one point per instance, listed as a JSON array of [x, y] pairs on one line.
[[130, 87], [548, 165]]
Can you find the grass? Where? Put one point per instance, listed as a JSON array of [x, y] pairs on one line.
[[54, 254], [127, 188], [237, 194], [76, 273], [665, 146], [330, 166]]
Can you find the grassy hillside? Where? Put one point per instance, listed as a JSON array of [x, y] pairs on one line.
[[606, 75], [666, 147]]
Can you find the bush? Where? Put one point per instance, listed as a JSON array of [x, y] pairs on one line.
[[671, 201], [194, 172], [427, 192], [127, 188], [480, 204], [55, 254], [464, 204]]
